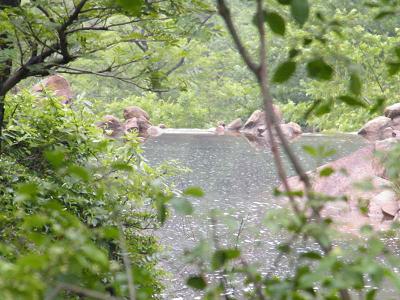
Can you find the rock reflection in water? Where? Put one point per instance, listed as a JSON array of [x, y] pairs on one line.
[[238, 180]]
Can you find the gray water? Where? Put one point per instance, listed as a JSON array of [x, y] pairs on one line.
[[238, 181]]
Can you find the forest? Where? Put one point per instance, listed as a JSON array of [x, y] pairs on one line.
[[199, 149]]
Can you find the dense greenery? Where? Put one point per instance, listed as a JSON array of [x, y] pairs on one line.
[[69, 197], [79, 209], [213, 84]]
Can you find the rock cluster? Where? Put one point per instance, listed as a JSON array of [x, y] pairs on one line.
[[382, 202], [383, 127], [255, 127], [58, 85], [135, 119]]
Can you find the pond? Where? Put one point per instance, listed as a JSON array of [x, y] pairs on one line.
[[238, 181]]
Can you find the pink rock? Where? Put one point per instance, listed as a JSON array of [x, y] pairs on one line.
[[58, 84]]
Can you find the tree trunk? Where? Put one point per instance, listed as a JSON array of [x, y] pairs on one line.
[[5, 66]]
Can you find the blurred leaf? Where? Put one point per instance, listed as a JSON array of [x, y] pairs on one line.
[[300, 10], [352, 101], [197, 282], [134, 7], [310, 150], [378, 106], [284, 71], [326, 172], [311, 255], [79, 172], [27, 191], [194, 192], [284, 2], [355, 84], [319, 69], [394, 68], [383, 14], [182, 206], [221, 257], [55, 158], [275, 22]]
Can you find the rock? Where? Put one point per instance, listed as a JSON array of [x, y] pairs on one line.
[[144, 125], [154, 131], [278, 113], [235, 125], [221, 123], [381, 148], [388, 132], [383, 206], [392, 111], [395, 124], [373, 130], [135, 112], [162, 126], [131, 124], [291, 130], [349, 170], [256, 119], [111, 126], [58, 84], [220, 130]]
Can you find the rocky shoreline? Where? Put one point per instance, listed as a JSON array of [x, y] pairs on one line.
[[361, 179]]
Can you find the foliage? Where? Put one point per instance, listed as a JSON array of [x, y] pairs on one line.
[[68, 198]]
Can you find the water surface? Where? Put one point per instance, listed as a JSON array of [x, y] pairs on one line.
[[238, 181]]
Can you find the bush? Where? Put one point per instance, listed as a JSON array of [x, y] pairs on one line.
[[70, 200]]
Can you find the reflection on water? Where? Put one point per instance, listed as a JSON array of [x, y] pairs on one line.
[[238, 181]]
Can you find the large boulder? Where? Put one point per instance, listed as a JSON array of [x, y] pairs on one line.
[[383, 206], [235, 125], [143, 124], [59, 85], [135, 112], [374, 129], [131, 125], [350, 171], [111, 126], [154, 131], [291, 130], [392, 111], [257, 118], [381, 149]]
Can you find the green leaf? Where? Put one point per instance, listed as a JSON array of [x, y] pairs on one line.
[[300, 10], [323, 108], [326, 172], [311, 255], [79, 172], [284, 71], [134, 7], [275, 22], [371, 294], [194, 192], [355, 84], [27, 191], [55, 158], [394, 68], [383, 14], [285, 2], [319, 69], [182, 206], [121, 166], [378, 106], [310, 150], [352, 101], [197, 282], [221, 257]]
